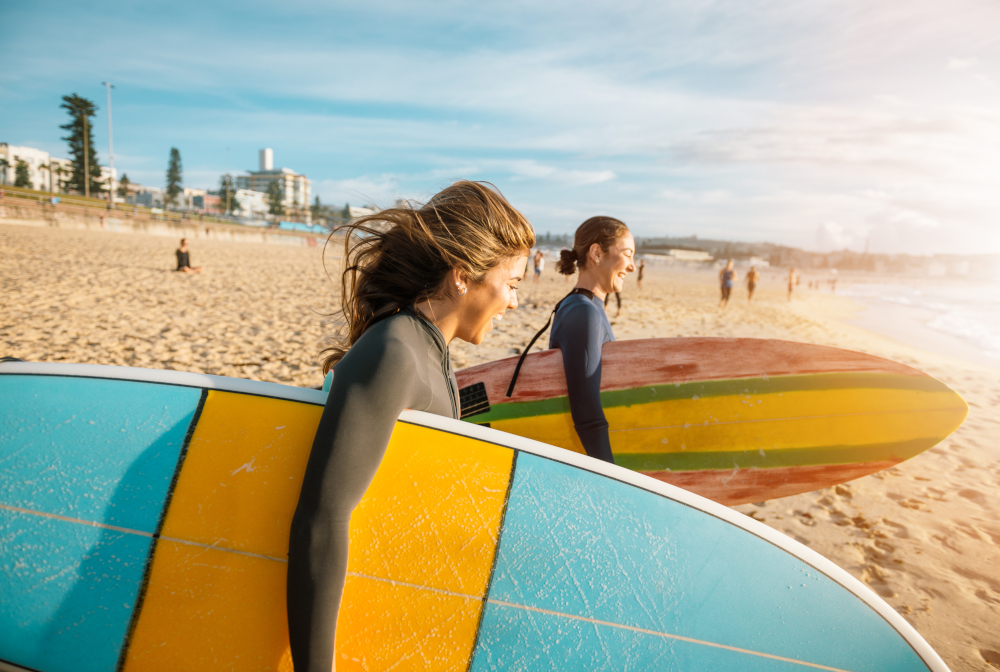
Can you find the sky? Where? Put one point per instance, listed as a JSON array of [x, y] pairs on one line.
[[822, 124]]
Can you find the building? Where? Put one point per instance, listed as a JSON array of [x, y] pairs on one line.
[[689, 255], [252, 203], [151, 197], [295, 188], [38, 163]]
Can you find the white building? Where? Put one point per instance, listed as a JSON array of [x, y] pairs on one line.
[[252, 203], [295, 188], [38, 162]]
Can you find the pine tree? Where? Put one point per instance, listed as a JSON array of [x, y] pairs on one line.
[[317, 209], [79, 126], [123, 185], [275, 204], [175, 177], [21, 176]]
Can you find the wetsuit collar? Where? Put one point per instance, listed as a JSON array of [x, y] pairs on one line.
[[433, 328]]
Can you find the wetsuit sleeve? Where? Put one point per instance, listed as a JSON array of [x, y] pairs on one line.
[[370, 388], [579, 336]]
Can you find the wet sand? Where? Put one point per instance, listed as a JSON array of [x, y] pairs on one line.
[[924, 535]]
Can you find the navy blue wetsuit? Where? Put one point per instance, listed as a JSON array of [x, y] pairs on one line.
[[580, 328]]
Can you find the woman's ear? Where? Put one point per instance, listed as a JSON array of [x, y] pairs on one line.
[[459, 280], [594, 253]]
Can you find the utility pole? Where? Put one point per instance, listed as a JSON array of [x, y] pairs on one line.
[[86, 160], [229, 179], [111, 153]]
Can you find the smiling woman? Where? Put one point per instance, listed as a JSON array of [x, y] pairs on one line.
[[414, 280], [603, 250]]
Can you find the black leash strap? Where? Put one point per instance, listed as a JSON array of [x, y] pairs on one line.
[[517, 369]]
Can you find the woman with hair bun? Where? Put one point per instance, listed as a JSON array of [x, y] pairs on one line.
[[603, 251], [413, 280]]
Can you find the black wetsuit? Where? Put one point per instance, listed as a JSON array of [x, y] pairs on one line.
[[401, 362], [183, 260], [580, 329]]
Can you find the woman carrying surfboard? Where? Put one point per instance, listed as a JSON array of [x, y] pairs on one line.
[[413, 280], [603, 251]]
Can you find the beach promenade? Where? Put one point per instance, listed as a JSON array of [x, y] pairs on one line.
[[924, 535]]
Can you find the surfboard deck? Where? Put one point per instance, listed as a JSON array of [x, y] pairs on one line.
[[736, 420], [144, 520]]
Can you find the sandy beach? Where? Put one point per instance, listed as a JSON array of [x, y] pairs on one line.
[[924, 535]]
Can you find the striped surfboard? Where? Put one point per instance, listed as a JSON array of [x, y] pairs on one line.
[[736, 420], [144, 521]]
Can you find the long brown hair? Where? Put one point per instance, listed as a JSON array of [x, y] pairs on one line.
[[604, 231], [400, 256]]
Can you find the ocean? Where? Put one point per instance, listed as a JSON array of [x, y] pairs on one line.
[[957, 319]]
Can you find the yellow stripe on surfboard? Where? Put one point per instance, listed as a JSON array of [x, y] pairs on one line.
[[748, 422], [235, 496]]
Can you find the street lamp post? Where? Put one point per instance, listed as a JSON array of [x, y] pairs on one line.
[[111, 152]]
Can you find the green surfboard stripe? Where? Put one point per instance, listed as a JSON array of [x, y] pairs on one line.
[[814, 382], [788, 457]]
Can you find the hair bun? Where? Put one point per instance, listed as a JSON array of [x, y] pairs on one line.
[[567, 262]]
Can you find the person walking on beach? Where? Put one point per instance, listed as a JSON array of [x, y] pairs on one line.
[[752, 277], [184, 259], [642, 269], [791, 282], [603, 251], [539, 266], [413, 281], [727, 277]]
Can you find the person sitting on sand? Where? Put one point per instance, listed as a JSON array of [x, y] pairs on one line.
[[727, 277], [752, 277], [413, 280], [184, 259]]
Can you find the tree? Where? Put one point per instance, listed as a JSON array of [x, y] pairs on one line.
[[317, 209], [4, 165], [21, 176], [59, 172], [227, 193], [275, 203], [123, 185], [345, 214], [86, 172], [175, 177]]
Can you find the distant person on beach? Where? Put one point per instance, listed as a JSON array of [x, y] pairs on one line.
[[727, 278], [792, 276], [414, 279], [618, 299], [539, 266], [603, 251], [642, 269], [184, 259], [752, 277]]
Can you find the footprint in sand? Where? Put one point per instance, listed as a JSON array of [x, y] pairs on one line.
[[992, 658], [973, 496]]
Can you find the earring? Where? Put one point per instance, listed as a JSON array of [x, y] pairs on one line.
[[461, 290], [598, 262]]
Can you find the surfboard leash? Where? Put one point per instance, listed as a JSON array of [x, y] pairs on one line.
[[517, 369]]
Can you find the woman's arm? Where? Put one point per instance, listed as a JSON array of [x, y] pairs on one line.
[[579, 334], [371, 387]]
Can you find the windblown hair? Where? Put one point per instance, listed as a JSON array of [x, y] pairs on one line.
[[401, 256], [605, 231]]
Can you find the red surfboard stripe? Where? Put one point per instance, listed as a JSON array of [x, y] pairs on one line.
[[746, 485], [655, 361]]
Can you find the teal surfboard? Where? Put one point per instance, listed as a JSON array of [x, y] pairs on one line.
[[144, 521]]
